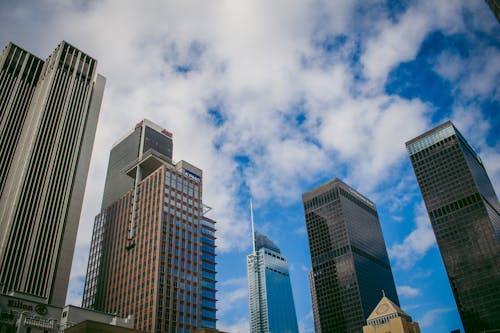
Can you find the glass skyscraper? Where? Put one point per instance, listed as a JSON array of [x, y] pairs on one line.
[[271, 306], [350, 265], [464, 212], [153, 251], [48, 118]]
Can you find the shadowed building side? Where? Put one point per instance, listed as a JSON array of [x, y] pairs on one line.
[[465, 215]]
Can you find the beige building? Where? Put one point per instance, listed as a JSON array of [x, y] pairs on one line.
[[387, 317]]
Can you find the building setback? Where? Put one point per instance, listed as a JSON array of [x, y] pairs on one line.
[[149, 253], [270, 298], [464, 212], [350, 265], [48, 117]]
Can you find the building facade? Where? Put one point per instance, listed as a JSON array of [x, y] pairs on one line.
[[350, 265], [25, 313], [270, 298], [150, 250], [48, 117], [208, 272], [464, 212], [387, 317]]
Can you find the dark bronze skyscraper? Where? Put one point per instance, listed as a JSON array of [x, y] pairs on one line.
[[464, 212], [48, 118], [152, 252], [350, 265]]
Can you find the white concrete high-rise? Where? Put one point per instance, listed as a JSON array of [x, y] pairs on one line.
[[48, 117]]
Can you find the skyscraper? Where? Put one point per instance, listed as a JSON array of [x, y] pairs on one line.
[[270, 298], [152, 250], [48, 117], [464, 212], [350, 265]]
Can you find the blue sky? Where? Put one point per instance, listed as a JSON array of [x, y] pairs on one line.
[[272, 98]]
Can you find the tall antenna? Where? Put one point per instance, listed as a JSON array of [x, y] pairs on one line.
[[253, 231]]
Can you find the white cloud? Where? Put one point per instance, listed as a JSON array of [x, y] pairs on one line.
[[430, 317], [370, 134], [395, 43], [234, 294], [407, 291], [416, 245], [239, 326], [262, 65], [306, 324]]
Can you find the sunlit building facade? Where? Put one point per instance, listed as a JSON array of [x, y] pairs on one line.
[[152, 247], [387, 317], [350, 265], [270, 298], [465, 215], [48, 117]]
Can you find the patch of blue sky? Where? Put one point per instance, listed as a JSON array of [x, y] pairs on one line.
[[396, 8], [491, 112], [216, 116], [417, 78]]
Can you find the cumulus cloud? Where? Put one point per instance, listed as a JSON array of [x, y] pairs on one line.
[[306, 324], [234, 294], [407, 291], [240, 325], [416, 245], [430, 317], [265, 97]]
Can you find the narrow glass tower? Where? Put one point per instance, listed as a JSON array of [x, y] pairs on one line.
[[465, 215], [270, 299]]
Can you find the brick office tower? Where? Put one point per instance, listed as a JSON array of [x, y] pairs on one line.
[[48, 117], [147, 244], [464, 212], [350, 265]]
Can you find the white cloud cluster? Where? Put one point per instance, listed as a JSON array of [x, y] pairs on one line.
[[431, 317], [407, 291], [286, 102], [416, 244]]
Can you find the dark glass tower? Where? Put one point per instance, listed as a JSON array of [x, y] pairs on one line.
[[464, 212], [350, 265], [48, 117]]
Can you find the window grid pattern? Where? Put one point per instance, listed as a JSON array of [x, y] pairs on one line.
[[462, 208]]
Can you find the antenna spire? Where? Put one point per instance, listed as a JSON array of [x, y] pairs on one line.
[[253, 231]]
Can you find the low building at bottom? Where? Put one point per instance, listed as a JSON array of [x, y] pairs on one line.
[[25, 313], [387, 317]]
